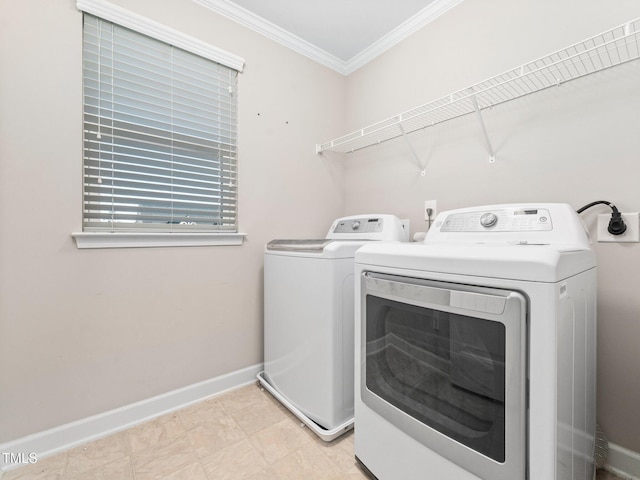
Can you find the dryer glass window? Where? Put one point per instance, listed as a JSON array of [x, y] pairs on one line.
[[443, 369]]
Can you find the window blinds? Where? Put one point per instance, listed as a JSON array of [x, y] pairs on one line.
[[160, 135]]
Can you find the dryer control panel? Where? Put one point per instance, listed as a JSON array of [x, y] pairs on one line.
[[514, 224], [501, 220]]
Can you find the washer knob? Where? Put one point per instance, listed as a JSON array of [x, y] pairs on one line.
[[355, 225], [488, 220]]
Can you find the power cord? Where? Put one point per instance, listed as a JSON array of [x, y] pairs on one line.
[[429, 213], [616, 224]]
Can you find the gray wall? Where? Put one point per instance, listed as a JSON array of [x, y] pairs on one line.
[[86, 331], [575, 143]]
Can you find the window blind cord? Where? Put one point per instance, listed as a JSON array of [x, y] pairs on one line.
[[231, 74], [112, 141], [172, 113], [99, 134]]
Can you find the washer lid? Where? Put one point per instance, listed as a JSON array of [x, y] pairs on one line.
[[312, 245], [319, 249]]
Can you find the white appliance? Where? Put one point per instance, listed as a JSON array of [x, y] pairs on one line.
[[476, 349], [308, 320]]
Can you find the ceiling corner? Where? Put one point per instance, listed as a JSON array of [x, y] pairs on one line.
[[260, 25]]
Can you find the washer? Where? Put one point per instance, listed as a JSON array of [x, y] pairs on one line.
[[308, 320], [476, 349]]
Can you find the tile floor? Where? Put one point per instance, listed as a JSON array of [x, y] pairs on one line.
[[242, 434]]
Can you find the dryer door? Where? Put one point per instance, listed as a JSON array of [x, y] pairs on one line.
[[446, 363]]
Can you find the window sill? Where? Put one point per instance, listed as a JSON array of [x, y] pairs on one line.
[[147, 239]]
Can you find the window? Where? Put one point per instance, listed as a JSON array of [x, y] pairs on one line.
[[159, 135]]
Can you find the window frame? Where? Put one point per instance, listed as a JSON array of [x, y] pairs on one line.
[[113, 239]]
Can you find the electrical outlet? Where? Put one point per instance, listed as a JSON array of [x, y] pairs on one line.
[[433, 205], [632, 234]]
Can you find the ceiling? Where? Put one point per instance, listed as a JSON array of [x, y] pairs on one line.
[[341, 34]]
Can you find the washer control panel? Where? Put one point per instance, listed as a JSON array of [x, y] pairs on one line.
[[504, 220], [359, 225]]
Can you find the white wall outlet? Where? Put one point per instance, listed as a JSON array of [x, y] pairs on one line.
[[433, 205], [632, 234]]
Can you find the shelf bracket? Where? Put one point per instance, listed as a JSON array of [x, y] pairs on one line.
[[423, 167], [492, 155]]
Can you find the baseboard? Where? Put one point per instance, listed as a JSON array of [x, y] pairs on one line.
[[623, 462], [63, 437]]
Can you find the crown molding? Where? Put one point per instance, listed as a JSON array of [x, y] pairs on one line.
[[121, 16], [258, 24], [264, 27], [406, 29]]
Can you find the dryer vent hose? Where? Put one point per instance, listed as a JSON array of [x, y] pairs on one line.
[[601, 449]]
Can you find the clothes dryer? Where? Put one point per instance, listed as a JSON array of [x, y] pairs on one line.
[[309, 320], [476, 350]]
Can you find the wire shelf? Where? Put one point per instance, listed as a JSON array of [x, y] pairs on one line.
[[608, 49]]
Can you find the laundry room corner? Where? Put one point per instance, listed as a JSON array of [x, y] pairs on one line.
[[87, 331], [573, 143], [251, 356]]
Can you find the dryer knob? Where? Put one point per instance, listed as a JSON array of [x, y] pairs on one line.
[[488, 220], [355, 225]]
